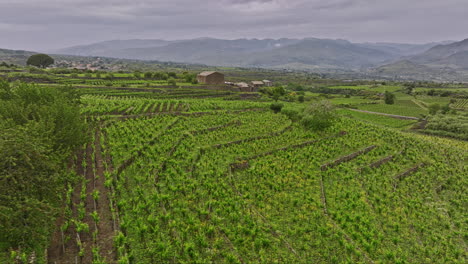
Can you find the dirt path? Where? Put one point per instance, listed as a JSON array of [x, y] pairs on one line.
[[383, 114], [105, 225], [418, 103], [63, 247], [93, 173]]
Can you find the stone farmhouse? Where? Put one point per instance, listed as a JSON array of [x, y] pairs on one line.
[[211, 78]]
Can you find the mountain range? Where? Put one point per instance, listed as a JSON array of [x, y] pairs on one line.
[[442, 62], [305, 54]]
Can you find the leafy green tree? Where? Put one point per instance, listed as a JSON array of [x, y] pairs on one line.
[[319, 116], [276, 107], [137, 74], [40, 60], [389, 98], [109, 76], [445, 109], [434, 108], [300, 98], [277, 92], [39, 129], [148, 75], [409, 87], [171, 81]]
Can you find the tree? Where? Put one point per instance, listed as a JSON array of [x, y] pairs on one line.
[[389, 98], [409, 87], [172, 82], [40, 60], [148, 75], [319, 116], [277, 92], [445, 109], [434, 108], [276, 107]]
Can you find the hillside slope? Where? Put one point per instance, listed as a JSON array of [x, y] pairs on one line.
[[310, 53]]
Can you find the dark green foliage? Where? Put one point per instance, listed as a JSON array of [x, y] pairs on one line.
[[109, 76], [409, 87], [318, 116], [40, 60], [389, 98], [445, 109], [434, 108], [447, 125], [148, 75], [292, 114], [276, 107], [39, 127], [300, 98], [171, 81]]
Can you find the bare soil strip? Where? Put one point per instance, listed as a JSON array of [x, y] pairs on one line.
[[383, 114]]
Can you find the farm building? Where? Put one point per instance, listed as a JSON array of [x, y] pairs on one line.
[[257, 84], [244, 87], [211, 77], [267, 83]]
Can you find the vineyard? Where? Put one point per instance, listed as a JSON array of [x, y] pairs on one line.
[[125, 168], [187, 180]]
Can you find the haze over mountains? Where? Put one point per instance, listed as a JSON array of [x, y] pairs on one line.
[[443, 61], [307, 54]]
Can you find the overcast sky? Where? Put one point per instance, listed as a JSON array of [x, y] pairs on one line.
[[52, 24]]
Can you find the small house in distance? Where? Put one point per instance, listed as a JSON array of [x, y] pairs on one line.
[[244, 87], [268, 83], [211, 77], [257, 84]]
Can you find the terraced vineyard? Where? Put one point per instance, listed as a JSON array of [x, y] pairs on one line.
[[217, 181]]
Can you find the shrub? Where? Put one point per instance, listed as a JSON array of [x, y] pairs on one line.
[[318, 116], [171, 81], [292, 114], [389, 98], [148, 75], [276, 107], [434, 108]]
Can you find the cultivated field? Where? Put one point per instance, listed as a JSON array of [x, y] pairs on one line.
[[191, 175]]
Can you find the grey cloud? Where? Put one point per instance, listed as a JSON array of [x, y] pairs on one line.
[[50, 24]]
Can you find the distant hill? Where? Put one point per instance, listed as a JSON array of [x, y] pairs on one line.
[[110, 47], [310, 53], [444, 54], [442, 62], [18, 57]]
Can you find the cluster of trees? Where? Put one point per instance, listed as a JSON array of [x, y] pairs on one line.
[[317, 116], [39, 128], [6, 65], [448, 125], [171, 77]]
